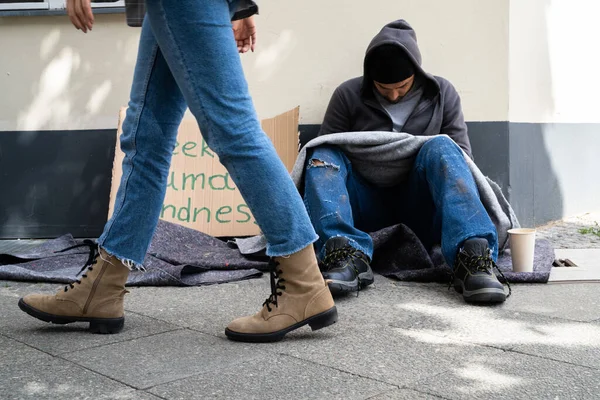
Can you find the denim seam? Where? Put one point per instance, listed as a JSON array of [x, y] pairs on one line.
[[180, 58], [187, 75], [118, 208]]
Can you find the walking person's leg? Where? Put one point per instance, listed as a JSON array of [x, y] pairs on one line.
[[196, 38], [156, 108]]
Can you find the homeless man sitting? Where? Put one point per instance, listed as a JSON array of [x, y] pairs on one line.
[[439, 201]]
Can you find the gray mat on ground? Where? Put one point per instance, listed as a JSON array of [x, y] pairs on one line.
[[179, 256], [400, 254]]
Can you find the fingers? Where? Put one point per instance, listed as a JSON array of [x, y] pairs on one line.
[[72, 15], [244, 32], [247, 44], [253, 39], [87, 9], [80, 14], [251, 26], [243, 45], [240, 45], [83, 8], [243, 41]]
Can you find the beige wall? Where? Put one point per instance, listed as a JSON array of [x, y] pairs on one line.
[[554, 61], [54, 77], [309, 47]]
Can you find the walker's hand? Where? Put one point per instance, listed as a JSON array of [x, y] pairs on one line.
[[244, 31], [80, 14]]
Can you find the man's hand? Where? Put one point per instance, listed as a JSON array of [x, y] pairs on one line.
[[80, 14], [244, 31]]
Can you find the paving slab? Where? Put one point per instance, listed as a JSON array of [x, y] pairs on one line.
[[272, 377], [573, 301], [162, 358], [60, 379], [405, 394], [576, 302], [500, 328], [432, 321], [570, 342], [58, 339], [13, 353], [495, 374], [379, 352], [209, 308]]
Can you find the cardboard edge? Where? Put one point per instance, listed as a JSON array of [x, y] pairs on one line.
[[114, 182]]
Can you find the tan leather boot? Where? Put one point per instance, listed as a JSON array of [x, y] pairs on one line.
[[97, 298], [299, 296]]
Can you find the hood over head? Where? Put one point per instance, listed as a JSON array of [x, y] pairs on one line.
[[397, 34]]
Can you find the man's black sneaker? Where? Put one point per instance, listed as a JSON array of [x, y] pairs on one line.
[[345, 268], [474, 275]]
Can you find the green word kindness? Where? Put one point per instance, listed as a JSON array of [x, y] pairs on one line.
[[221, 215]]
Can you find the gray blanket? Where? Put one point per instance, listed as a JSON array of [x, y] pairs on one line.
[[385, 159], [180, 256]]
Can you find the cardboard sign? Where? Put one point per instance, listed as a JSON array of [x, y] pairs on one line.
[[200, 193]]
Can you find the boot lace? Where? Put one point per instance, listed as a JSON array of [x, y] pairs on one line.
[[276, 285], [480, 264], [88, 266], [343, 253]]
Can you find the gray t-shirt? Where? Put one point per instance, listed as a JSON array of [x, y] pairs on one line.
[[400, 112]]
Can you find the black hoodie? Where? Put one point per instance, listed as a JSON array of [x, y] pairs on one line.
[[354, 108]]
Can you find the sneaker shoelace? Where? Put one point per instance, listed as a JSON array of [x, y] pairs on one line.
[[88, 266], [337, 255], [276, 285], [481, 264], [340, 254]]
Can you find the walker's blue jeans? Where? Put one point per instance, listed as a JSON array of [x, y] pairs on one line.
[[188, 57], [439, 202]]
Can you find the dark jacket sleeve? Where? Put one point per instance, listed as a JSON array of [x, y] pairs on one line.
[[337, 117], [135, 10], [453, 123], [245, 9]]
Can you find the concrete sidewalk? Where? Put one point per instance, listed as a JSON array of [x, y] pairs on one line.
[[394, 341]]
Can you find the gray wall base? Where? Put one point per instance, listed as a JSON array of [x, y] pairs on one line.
[[57, 182]]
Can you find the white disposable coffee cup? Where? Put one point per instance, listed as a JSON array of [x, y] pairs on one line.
[[522, 246]]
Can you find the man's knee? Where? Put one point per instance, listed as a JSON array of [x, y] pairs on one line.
[[440, 142], [326, 157], [439, 146]]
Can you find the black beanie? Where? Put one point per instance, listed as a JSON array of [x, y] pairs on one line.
[[389, 63]]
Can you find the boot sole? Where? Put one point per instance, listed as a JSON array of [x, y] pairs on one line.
[[342, 287], [486, 295], [315, 322], [97, 325]]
